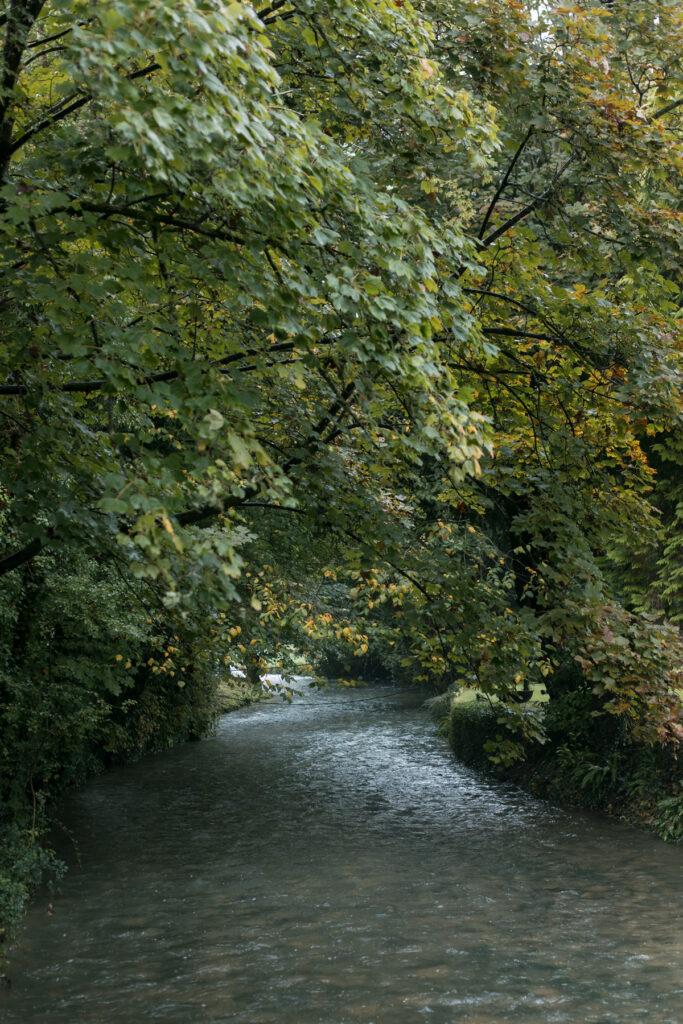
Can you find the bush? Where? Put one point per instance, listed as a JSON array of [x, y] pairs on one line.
[[589, 760], [24, 862], [87, 679]]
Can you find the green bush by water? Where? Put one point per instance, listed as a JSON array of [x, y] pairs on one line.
[[86, 681], [588, 760]]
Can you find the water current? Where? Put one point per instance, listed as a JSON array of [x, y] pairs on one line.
[[330, 861]]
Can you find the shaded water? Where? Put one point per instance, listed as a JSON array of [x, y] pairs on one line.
[[330, 862]]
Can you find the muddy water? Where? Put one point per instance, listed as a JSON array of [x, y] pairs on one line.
[[328, 861]]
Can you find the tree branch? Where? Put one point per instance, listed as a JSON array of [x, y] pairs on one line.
[[90, 386], [195, 516], [490, 239], [126, 210], [271, 9], [20, 19], [51, 39], [18, 558], [276, 508], [506, 178], [666, 109], [515, 332], [47, 122]]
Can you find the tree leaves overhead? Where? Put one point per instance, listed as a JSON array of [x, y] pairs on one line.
[[395, 265], [194, 234]]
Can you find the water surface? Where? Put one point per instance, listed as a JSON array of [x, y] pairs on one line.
[[329, 861]]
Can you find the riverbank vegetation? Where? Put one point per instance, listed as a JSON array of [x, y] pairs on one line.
[[347, 332], [575, 761]]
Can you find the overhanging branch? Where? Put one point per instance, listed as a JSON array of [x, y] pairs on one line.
[[71, 108], [521, 214], [203, 513], [90, 386], [667, 109], [506, 178], [18, 558]]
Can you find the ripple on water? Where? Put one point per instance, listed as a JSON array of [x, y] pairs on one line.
[[328, 861]]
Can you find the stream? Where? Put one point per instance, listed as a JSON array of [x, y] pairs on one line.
[[330, 861]]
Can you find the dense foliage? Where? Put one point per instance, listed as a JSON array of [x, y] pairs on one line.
[[345, 327], [65, 635], [581, 760]]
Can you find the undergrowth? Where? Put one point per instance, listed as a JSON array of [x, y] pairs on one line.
[[585, 762]]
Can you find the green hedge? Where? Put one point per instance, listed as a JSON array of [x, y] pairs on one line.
[[587, 761]]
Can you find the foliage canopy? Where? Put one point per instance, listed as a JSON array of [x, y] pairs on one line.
[[357, 319]]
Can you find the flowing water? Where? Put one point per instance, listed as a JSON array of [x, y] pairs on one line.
[[329, 861]]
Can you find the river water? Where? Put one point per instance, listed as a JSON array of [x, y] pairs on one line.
[[329, 861]]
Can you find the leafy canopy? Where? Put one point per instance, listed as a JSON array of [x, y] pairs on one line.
[[409, 271]]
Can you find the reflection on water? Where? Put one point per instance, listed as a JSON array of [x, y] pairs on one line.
[[328, 861]]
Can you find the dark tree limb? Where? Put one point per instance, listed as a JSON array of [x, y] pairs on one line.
[[515, 332], [271, 8], [50, 39], [202, 514], [666, 109], [71, 108], [20, 18], [275, 508], [18, 558], [90, 386], [166, 219], [521, 214], [504, 181], [269, 14]]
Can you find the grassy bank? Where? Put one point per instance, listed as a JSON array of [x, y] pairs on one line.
[[235, 693], [584, 762]]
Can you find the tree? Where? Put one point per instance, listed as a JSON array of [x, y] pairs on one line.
[[410, 270], [333, 326]]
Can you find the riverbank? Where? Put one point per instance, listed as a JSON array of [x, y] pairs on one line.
[[640, 784], [235, 693]]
